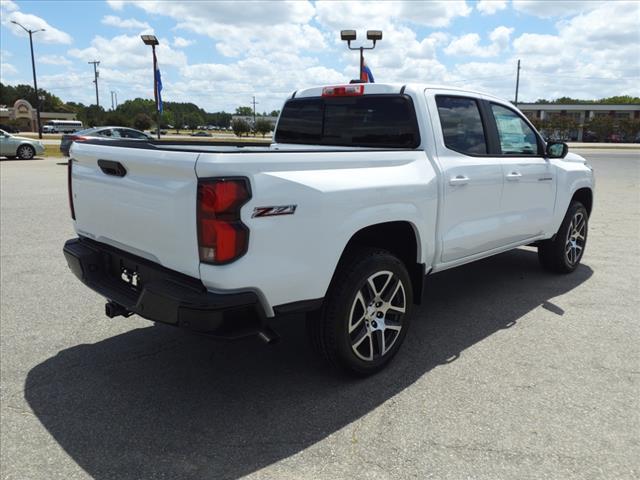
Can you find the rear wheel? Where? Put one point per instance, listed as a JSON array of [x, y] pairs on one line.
[[26, 152], [365, 316], [563, 253]]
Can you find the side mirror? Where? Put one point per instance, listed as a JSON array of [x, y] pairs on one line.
[[557, 149]]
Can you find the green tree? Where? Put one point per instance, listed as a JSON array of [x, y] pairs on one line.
[[263, 126], [117, 119], [95, 116], [142, 121], [244, 111], [562, 126], [240, 126], [602, 126], [275, 113], [630, 128], [166, 119], [192, 120]]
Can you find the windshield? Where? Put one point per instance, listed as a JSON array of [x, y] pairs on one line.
[[374, 121]]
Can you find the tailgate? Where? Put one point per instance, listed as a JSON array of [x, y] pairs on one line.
[[150, 211]]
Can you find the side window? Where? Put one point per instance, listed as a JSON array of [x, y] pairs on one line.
[[461, 124], [516, 136], [126, 133]]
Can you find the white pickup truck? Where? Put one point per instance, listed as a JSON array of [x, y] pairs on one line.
[[366, 189]]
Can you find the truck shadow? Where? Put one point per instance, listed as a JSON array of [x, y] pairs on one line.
[[158, 402]]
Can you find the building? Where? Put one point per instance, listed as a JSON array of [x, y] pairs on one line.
[[581, 113], [24, 115]]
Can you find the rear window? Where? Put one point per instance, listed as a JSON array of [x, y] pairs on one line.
[[374, 121]]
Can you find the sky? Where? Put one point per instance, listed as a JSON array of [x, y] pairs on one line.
[[220, 54]]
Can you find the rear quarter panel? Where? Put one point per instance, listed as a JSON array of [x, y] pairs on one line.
[[293, 257]]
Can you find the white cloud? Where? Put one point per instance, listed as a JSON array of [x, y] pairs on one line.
[[489, 7], [128, 23], [373, 15], [180, 42], [116, 4], [500, 37], [8, 69], [243, 27], [8, 6], [592, 55], [9, 12], [556, 8], [54, 60], [469, 44], [128, 52]]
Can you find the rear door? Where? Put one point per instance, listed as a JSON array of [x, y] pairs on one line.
[[529, 193], [142, 201], [470, 215]]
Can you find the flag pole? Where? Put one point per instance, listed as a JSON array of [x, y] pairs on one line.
[[155, 89]]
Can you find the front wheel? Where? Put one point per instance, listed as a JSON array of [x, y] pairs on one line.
[[563, 253], [26, 152], [365, 316]]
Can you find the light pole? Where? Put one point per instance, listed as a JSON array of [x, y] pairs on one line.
[[153, 41], [350, 35], [33, 67]]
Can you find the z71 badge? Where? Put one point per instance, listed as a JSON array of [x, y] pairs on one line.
[[274, 211]]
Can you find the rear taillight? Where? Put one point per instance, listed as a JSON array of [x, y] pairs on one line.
[[343, 91], [69, 187], [76, 138], [222, 237]]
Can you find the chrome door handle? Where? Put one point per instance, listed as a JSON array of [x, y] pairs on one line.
[[514, 176], [458, 180]]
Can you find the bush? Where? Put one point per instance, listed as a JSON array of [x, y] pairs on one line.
[[239, 127], [142, 121], [263, 126]]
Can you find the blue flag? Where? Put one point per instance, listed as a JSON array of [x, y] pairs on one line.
[[366, 75], [158, 83]]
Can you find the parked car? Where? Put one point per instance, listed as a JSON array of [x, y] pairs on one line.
[[367, 189], [201, 134], [12, 146], [9, 128], [49, 129], [101, 132]]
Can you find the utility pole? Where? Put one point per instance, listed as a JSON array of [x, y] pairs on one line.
[[254, 112], [517, 83], [95, 64], [33, 67]]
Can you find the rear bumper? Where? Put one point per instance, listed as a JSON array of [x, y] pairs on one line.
[[160, 294]]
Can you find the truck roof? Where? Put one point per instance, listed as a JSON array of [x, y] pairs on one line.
[[382, 88]]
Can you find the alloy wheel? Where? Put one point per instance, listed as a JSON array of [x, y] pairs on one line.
[[576, 238], [376, 316]]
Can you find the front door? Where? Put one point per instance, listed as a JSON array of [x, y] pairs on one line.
[[473, 179]]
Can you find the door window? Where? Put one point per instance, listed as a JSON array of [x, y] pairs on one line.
[[462, 125], [516, 136], [127, 133]]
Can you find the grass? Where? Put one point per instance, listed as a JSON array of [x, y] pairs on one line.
[[52, 151]]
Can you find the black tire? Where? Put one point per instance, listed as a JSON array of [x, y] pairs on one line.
[[562, 253], [26, 152], [382, 326]]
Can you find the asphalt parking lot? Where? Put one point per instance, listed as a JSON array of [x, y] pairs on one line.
[[508, 372]]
